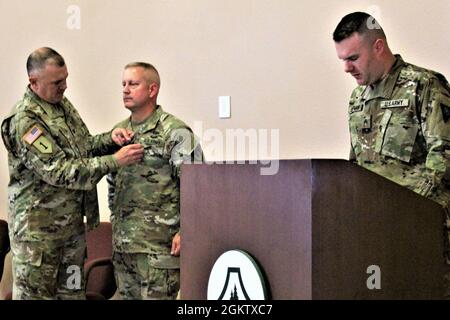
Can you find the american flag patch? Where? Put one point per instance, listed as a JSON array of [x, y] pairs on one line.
[[32, 134]]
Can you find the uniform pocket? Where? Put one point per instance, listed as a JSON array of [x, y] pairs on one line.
[[398, 132], [356, 122], [28, 254], [164, 261], [154, 155], [163, 277], [152, 146]]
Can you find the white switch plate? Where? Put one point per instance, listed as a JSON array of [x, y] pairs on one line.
[[224, 107]]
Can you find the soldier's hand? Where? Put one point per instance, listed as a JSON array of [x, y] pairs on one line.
[[176, 245], [130, 154], [121, 136]]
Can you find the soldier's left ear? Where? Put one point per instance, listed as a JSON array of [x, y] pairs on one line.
[[33, 81]]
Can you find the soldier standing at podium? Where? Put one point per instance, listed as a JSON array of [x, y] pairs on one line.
[[398, 115]]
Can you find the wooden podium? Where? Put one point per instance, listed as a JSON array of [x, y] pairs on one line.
[[315, 228]]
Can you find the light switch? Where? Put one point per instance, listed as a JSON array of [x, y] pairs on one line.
[[224, 107]]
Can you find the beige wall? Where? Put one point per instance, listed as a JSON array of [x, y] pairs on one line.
[[275, 58]]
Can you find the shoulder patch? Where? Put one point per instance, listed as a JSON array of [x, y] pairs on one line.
[[32, 135], [43, 145], [444, 102], [445, 112]]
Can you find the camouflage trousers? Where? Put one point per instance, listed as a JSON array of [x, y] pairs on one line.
[[138, 278], [48, 270]]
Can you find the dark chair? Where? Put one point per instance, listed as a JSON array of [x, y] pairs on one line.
[[4, 244], [98, 269]]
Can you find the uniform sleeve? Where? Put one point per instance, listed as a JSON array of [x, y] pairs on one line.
[[436, 129], [183, 147], [353, 102], [111, 180], [102, 144], [41, 153], [352, 156]]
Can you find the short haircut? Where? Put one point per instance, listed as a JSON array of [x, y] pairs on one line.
[[39, 58], [360, 22], [148, 67]]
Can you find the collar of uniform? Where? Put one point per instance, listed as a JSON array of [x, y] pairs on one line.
[[151, 122], [52, 110], [385, 87]]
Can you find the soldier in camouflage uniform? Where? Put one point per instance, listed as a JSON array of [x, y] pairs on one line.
[[54, 166], [145, 199], [398, 115]]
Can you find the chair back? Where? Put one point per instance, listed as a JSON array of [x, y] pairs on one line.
[[4, 244], [99, 272]]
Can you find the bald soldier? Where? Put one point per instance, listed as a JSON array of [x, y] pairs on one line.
[[54, 166], [145, 198], [398, 115]]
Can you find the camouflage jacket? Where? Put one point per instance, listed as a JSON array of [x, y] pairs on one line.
[[400, 129], [145, 198], [54, 166]]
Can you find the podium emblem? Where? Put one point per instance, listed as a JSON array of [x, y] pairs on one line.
[[236, 276]]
